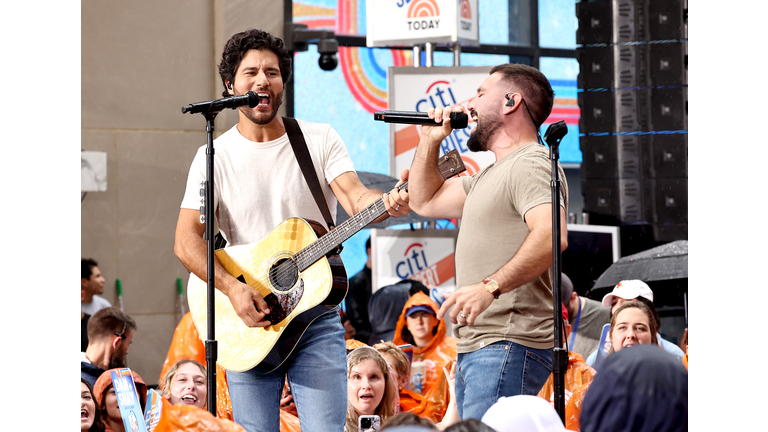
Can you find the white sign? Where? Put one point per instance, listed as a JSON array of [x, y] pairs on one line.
[[93, 171], [419, 89], [424, 255], [410, 22]]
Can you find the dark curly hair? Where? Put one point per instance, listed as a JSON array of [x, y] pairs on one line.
[[239, 44]]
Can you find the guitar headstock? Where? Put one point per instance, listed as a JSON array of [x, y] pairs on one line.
[[451, 164]]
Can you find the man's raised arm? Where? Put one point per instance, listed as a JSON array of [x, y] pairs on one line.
[[430, 195]]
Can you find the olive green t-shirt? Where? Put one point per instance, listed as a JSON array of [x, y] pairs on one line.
[[492, 230]]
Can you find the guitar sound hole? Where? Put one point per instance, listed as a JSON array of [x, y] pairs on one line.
[[284, 274]]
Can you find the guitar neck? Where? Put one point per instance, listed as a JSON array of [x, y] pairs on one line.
[[331, 240]]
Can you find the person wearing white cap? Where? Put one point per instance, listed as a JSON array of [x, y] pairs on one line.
[[523, 413], [629, 290]]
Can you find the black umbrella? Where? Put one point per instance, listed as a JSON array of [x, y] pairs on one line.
[[384, 183], [663, 263]]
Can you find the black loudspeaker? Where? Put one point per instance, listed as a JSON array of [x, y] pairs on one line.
[[669, 200], [666, 20], [669, 108], [667, 64], [632, 58], [621, 200], [595, 22], [612, 157], [666, 156]]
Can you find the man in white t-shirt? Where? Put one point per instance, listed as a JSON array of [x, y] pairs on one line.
[[258, 184], [92, 284]]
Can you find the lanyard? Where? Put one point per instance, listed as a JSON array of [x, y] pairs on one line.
[[575, 326]]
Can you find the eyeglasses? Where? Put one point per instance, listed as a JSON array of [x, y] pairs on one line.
[[121, 333]]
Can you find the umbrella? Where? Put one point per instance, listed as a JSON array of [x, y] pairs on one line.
[[385, 183], [663, 263]]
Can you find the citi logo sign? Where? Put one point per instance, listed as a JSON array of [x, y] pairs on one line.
[[422, 14], [439, 94], [413, 262]]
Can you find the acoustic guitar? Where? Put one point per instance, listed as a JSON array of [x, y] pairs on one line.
[[298, 271]]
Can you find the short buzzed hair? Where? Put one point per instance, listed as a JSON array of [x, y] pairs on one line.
[[105, 322], [86, 267], [533, 85]]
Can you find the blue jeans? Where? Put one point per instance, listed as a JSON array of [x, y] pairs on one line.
[[500, 369], [317, 375]]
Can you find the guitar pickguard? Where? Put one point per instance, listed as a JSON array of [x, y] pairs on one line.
[[281, 305]]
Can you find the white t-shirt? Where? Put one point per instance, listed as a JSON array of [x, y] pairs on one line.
[[258, 185], [96, 303]]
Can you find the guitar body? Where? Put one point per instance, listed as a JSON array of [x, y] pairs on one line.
[[295, 298]]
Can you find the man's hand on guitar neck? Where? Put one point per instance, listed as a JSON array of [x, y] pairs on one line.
[[248, 304], [396, 202]]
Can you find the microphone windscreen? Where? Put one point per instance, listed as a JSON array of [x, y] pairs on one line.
[[459, 120], [253, 99]]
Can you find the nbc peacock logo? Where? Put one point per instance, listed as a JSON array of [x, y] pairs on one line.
[[465, 15], [466, 10], [423, 15]]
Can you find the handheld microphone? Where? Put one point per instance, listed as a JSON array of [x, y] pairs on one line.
[[251, 99], [458, 120]]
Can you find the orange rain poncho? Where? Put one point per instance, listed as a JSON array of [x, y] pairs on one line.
[[432, 405], [578, 378], [186, 344], [437, 354]]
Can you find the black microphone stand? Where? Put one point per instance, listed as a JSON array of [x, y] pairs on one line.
[[210, 110], [206, 215], [553, 136]]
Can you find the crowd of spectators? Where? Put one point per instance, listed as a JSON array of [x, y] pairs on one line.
[[408, 378]]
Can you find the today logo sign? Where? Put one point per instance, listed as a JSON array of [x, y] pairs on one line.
[[409, 22]]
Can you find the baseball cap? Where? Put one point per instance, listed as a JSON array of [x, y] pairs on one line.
[[419, 308], [628, 290]]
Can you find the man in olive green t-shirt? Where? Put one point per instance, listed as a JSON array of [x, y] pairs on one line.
[[503, 308]]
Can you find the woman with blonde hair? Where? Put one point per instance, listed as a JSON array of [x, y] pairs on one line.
[[371, 387], [186, 383]]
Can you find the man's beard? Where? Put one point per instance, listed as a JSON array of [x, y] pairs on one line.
[[478, 140], [118, 360], [262, 118]]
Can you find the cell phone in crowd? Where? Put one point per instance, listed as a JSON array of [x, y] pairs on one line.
[[368, 423]]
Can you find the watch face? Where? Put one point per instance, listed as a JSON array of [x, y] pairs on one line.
[[492, 286]]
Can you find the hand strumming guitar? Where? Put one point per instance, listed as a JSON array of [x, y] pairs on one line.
[[248, 304]]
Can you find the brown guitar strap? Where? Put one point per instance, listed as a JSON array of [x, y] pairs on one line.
[[301, 152]]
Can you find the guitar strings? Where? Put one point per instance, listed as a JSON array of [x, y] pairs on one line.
[[324, 242]]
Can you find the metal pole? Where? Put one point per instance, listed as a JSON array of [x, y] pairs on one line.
[[456, 54], [417, 56], [429, 49]]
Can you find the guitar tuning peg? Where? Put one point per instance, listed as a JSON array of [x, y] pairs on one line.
[[202, 219]]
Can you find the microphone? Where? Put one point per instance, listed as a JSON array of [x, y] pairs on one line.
[[459, 120], [251, 99]]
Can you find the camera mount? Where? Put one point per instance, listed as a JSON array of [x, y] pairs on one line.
[[298, 37]]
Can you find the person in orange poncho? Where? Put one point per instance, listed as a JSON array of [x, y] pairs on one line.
[[578, 378], [106, 400], [418, 325], [186, 344]]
